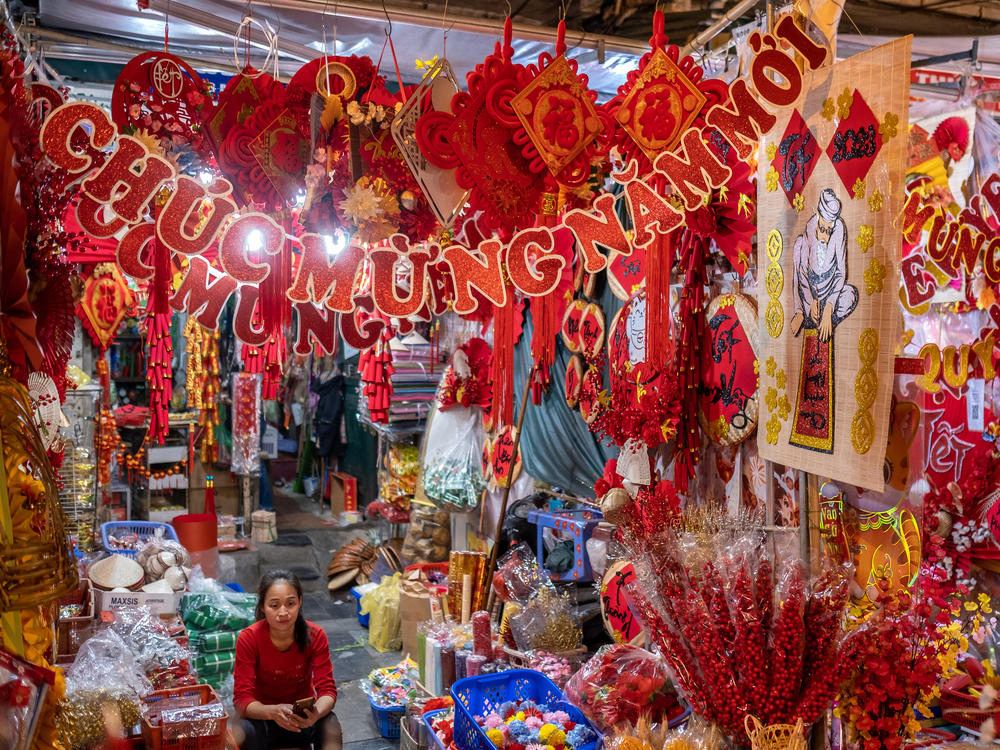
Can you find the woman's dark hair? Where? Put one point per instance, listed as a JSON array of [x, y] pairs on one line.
[[301, 634]]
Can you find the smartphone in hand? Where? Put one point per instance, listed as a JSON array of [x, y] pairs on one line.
[[302, 707]]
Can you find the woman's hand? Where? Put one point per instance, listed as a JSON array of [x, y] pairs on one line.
[[285, 717], [311, 717]]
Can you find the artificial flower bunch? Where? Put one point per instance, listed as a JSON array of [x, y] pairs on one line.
[[737, 641], [909, 644], [527, 725], [622, 683]]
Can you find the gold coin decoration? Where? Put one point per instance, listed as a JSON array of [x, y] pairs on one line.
[[774, 282], [865, 391]]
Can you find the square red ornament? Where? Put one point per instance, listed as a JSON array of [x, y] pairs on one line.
[[661, 106], [282, 154], [557, 115]]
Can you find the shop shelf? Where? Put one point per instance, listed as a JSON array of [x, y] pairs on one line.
[[577, 525]]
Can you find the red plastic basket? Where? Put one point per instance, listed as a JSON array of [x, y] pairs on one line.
[[212, 732], [962, 708]]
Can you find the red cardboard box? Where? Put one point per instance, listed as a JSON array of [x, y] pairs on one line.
[[343, 492]]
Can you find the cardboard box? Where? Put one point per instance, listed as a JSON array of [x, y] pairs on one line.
[[418, 602], [343, 492], [264, 526], [158, 604]]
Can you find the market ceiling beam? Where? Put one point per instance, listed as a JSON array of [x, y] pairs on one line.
[[417, 17]]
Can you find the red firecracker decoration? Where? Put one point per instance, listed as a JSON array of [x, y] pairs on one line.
[[376, 370], [159, 344]]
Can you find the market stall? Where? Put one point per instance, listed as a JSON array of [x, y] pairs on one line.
[[648, 389]]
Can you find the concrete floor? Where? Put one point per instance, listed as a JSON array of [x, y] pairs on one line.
[[315, 537]]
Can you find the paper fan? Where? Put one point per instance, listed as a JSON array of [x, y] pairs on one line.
[[45, 402]]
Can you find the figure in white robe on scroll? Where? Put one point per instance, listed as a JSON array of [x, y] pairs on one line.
[[823, 298]]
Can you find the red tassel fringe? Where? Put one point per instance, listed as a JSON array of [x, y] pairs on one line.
[[659, 260], [546, 316], [376, 369], [692, 307], [502, 366]]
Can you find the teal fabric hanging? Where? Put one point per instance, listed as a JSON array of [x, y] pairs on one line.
[[556, 444]]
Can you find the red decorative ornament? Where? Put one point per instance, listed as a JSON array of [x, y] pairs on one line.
[[574, 381], [467, 381], [505, 466], [477, 139], [592, 329], [561, 129], [728, 392], [572, 322], [161, 94], [106, 299], [644, 399], [590, 404]]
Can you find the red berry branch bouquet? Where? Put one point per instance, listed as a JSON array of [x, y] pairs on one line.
[[737, 641], [623, 683]]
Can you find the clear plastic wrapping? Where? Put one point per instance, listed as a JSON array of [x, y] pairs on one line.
[[548, 622], [166, 662], [192, 722], [622, 683], [428, 538], [453, 466], [519, 576], [103, 678]]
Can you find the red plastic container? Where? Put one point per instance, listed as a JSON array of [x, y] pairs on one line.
[[212, 735]]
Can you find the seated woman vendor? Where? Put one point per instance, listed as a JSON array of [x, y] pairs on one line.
[[283, 682]]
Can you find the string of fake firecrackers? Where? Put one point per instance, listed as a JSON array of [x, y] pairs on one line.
[[692, 251], [106, 427], [276, 312], [159, 343], [203, 383], [376, 369]]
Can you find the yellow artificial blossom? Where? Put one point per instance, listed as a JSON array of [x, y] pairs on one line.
[[859, 189], [771, 180], [875, 276], [773, 428], [866, 237], [829, 109], [772, 150], [780, 379], [770, 366], [798, 202], [784, 407], [771, 399], [889, 127], [875, 202], [844, 102]]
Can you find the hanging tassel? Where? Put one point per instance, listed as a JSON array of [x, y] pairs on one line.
[[376, 369], [659, 260], [688, 363], [502, 365], [546, 311], [276, 315]]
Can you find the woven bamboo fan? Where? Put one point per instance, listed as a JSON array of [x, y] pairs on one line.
[[36, 565]]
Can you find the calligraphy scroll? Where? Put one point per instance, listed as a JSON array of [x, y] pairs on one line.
[[830, 187]]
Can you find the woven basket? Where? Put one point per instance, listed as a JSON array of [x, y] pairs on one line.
[[775, 736], [37, 566]]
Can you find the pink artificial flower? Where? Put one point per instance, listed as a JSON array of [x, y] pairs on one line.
[[533, 722], [493, 721]]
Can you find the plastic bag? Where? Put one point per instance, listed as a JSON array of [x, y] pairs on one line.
[[453, 464], [547, 622], [428, 539], [211, 606], [518, 576], [164, 559], [622, 683], [391, 686], [384, 624], [166, 662], [104, 672]]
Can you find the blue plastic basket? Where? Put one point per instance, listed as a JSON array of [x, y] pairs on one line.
[[483, 694], [387, 719], [678, 720], [428, 721], [362, 619], [143, 529], [575, 525]]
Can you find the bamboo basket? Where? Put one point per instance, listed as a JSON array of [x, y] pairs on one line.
[[775, 736], [36, 564]]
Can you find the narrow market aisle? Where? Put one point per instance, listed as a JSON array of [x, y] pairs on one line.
[[306, 537]]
